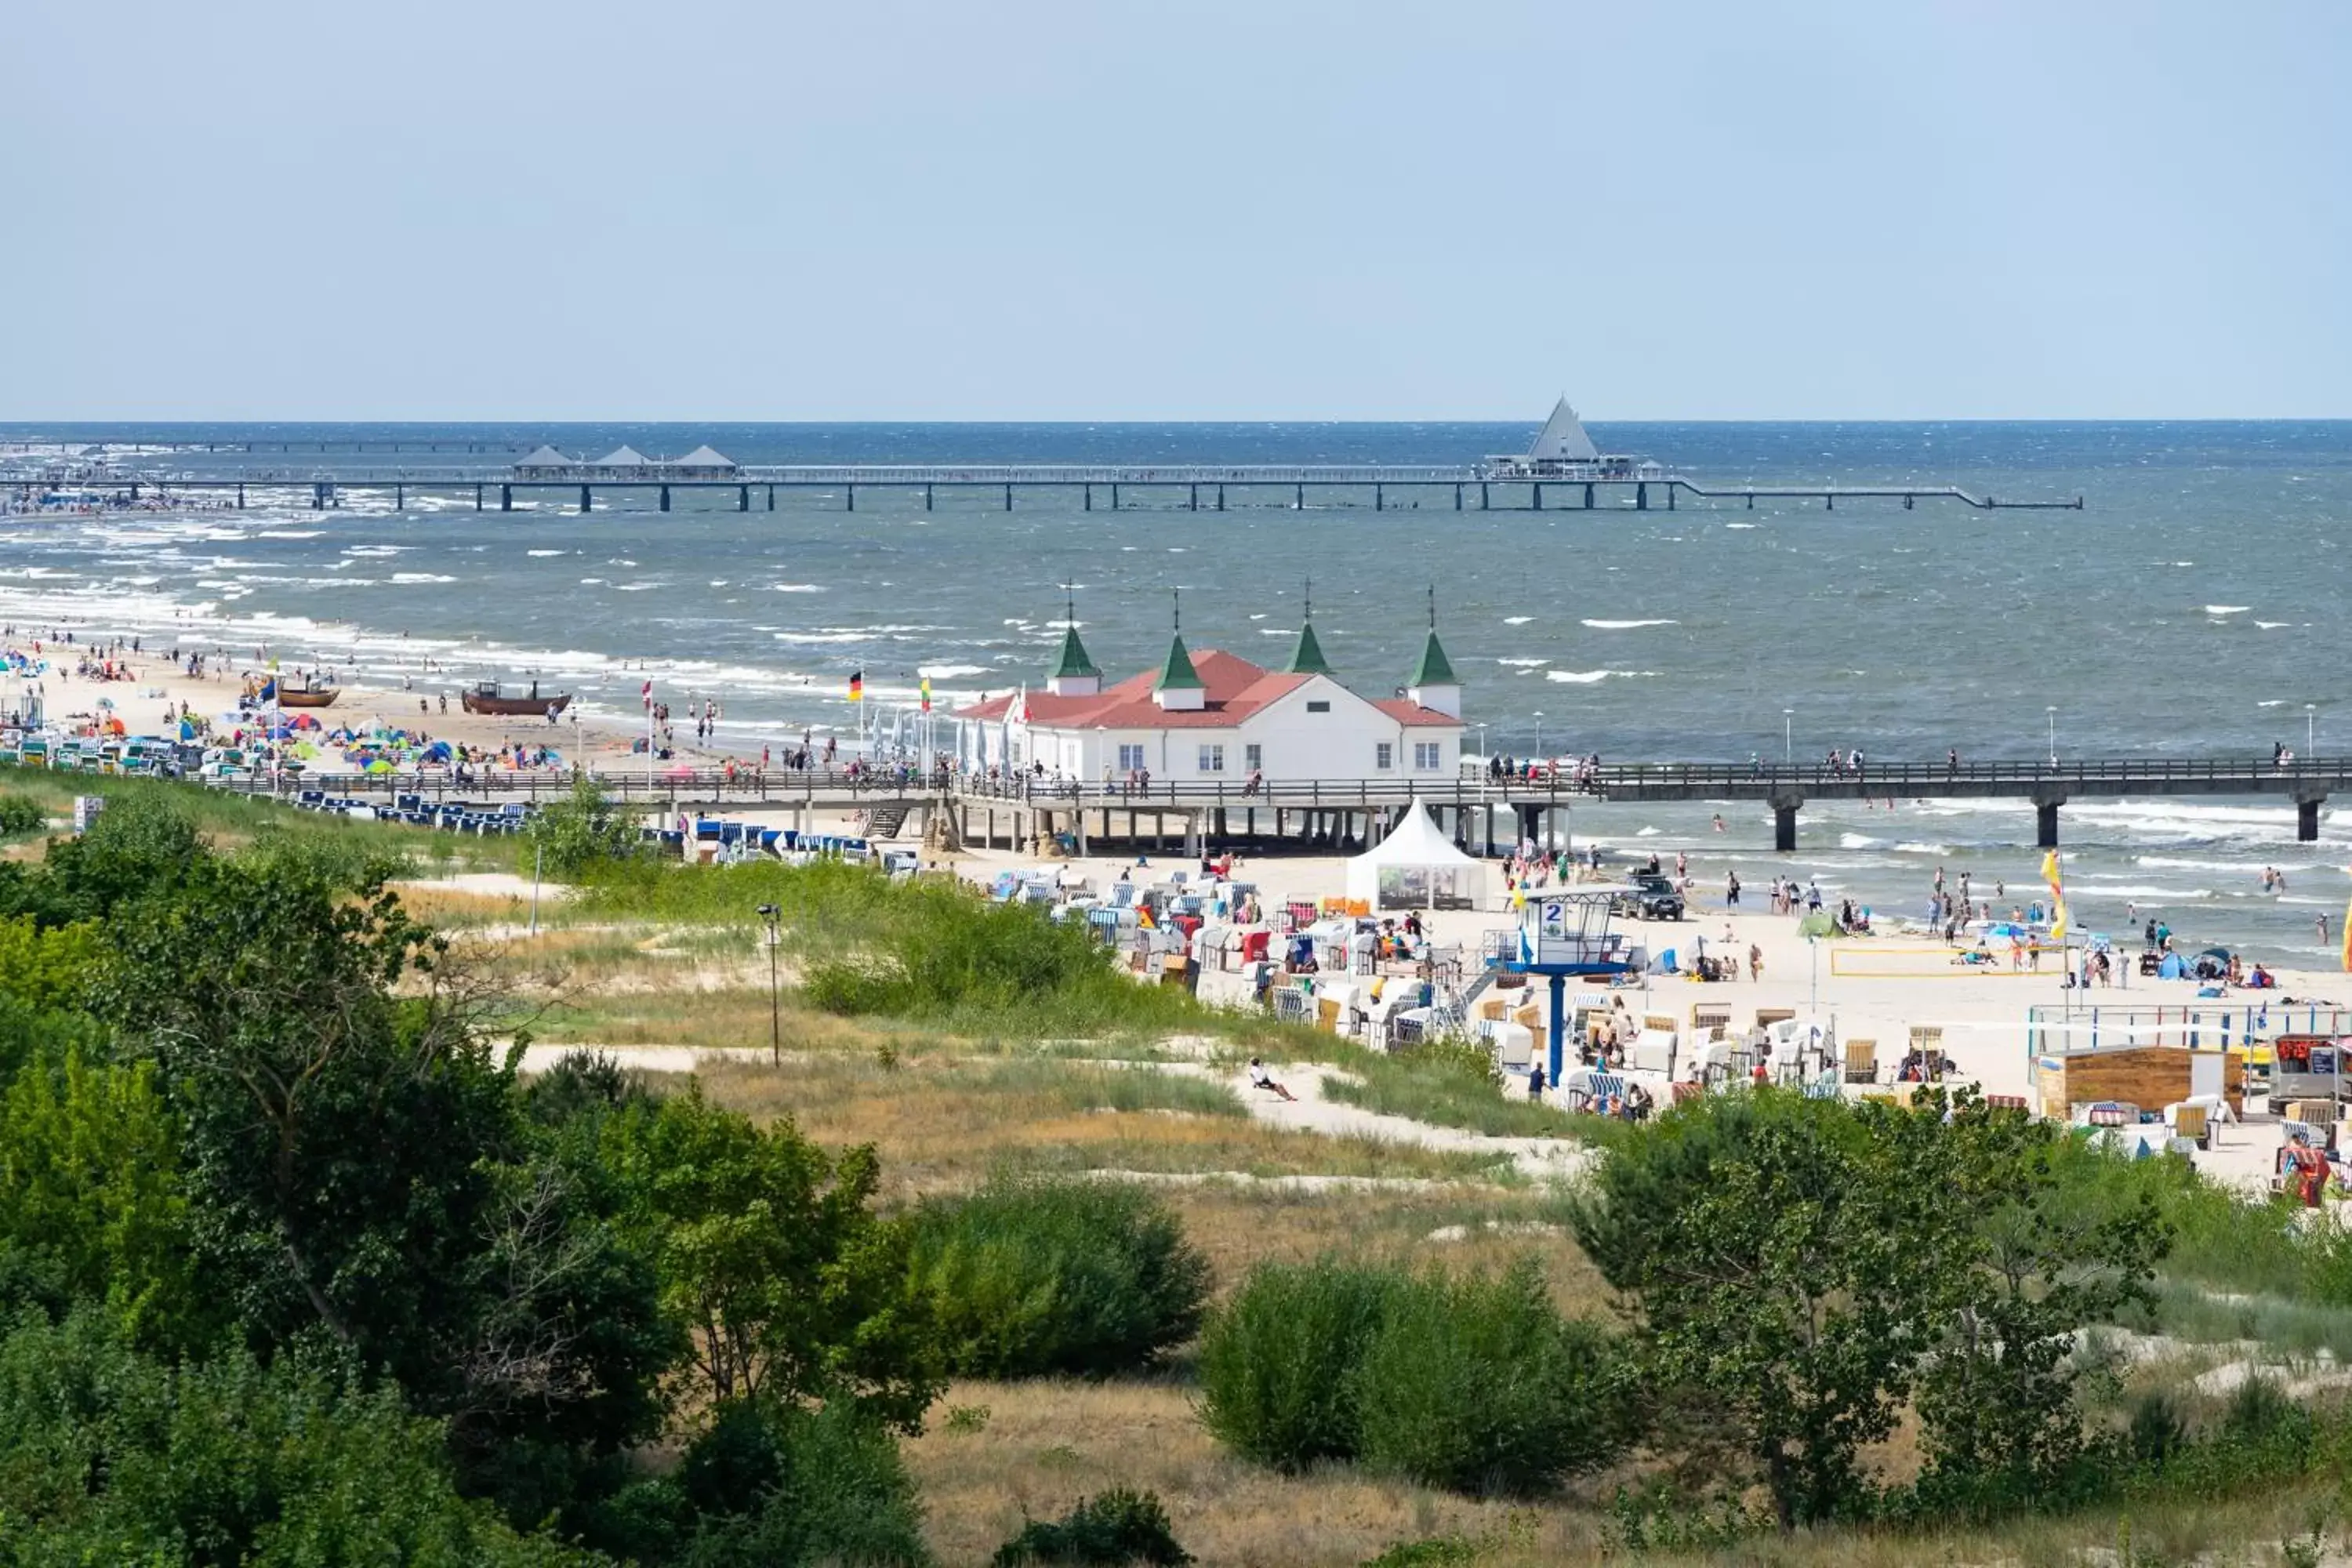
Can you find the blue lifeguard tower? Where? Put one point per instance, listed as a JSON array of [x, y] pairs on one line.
[[1564, 935]]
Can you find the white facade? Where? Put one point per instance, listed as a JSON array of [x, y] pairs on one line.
[[1289, 728]]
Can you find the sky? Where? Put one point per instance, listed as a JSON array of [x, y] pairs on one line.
[[1213, 210]]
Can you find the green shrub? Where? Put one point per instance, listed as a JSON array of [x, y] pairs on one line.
[[1479, 1384], [47, 969], [21, 819], [1117, 1527], [777, 1487], [1278, 1364], [1031, 1278]]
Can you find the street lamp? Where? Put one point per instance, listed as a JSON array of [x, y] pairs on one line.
[[1789, 737], [770, 913], [1539, 734], [2310, 729], [2053, 735]]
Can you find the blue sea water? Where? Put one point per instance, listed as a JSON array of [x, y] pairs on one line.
[[2192, 608]]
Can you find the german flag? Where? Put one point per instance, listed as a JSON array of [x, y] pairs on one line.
[[858, 686]]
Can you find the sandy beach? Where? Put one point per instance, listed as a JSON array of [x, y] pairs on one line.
[[1874, 988]]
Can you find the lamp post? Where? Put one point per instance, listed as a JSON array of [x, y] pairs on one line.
[[1538, 734], [2310, 730], [770, 913], [1789, 737], [2053, 735]]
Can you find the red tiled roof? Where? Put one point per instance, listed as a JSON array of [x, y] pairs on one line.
[[1406, 710], [1236, 688]]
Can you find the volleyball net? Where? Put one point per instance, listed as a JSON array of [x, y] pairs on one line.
[[1999, 962]]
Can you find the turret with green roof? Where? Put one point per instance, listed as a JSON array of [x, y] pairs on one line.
[[1306, 656], [1433, 683], [1179, 686], [1074, 674]]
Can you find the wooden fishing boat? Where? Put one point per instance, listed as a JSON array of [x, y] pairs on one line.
[[486, 698], [308, 696]]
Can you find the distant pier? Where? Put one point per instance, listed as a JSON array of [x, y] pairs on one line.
[[1097, 487]]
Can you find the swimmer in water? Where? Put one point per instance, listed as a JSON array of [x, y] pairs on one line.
[[1718, 822]]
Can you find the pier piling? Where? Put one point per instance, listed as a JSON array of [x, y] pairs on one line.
[[587, 500]]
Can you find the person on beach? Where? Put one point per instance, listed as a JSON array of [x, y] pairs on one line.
[[1261, 1078], [1731, 889], [1536, 1083]]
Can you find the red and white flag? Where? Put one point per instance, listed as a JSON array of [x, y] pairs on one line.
[[647, 692]]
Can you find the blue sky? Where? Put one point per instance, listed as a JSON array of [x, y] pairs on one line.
[[1216, 209]]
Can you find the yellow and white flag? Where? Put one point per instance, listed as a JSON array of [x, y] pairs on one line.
[[2347, 934], [2057, 896]]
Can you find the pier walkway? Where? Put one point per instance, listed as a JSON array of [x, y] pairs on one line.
[[1189, 487], [1027, 808]]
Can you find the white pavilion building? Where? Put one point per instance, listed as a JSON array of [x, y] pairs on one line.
[[1214, 716]]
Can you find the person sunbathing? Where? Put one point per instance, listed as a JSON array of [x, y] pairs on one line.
[[1260, 1078]]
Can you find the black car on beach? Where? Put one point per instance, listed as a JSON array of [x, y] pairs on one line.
[[1652, 897]]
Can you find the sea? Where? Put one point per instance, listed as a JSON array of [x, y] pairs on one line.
[[2193, 608]]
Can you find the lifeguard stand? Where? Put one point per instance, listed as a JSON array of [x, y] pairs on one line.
[[1564, 935]]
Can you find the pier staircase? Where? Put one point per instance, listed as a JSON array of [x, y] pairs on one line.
[[885, 818]]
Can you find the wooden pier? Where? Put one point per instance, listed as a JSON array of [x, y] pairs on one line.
[[1104, 488], [1334, 813]]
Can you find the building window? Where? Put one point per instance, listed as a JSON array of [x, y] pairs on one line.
[[1428, 756], [1213, 759], [1252, 757], [1130, 759], [1384, 756], [1319, 707]]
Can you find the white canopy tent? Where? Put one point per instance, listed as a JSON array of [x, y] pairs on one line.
[[704, 457], [1416, 866], [622, 457], [546, 457]]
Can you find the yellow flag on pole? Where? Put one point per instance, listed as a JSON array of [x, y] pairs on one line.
[[2057, 894]]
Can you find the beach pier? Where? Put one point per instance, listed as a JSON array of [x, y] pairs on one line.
[[2307, 803], [1180, 486]]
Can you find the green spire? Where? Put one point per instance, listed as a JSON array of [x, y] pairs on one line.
[[1177, 674], [1307, 659], [1434, 668], [1074, 662]]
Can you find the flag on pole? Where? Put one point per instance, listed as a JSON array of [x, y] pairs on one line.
[[2347, 934], [926, 694], [858, 686], [645, 695], [2057, 894]]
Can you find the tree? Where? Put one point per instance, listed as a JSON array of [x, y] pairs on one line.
[[582, 830], [140, 847], [108, 1456], [48, 968], [1761, 1244], [770, 1254], [1803, 1267], [91, 1203], [2018, 1268], [359, 1167]]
